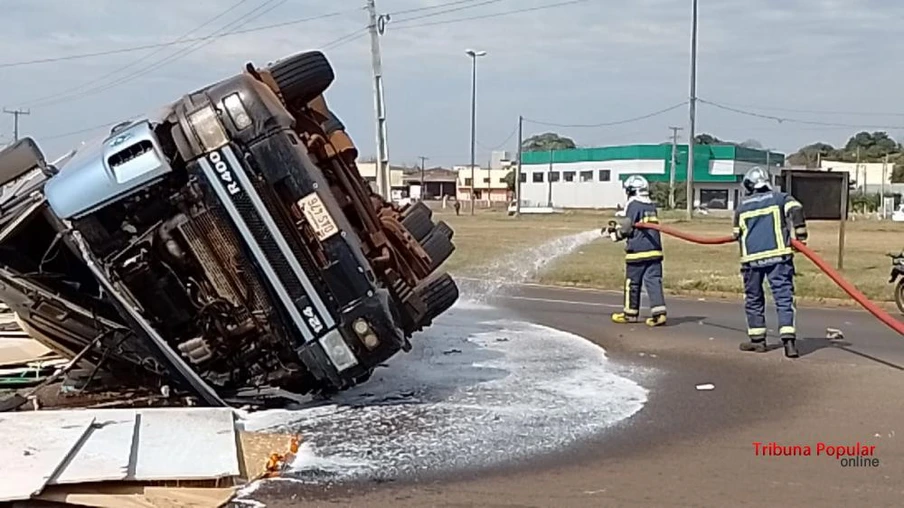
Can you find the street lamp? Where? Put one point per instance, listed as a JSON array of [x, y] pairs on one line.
[[473, 54]]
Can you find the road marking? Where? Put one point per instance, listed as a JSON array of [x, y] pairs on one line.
[[553, 300]]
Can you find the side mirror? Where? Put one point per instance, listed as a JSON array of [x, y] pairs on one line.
[[20, 158]]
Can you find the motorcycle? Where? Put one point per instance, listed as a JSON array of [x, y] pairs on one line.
[[897, 270]]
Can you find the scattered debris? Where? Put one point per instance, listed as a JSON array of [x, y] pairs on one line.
[[706, 387], [452, 351], [834, 334], [146, 457]]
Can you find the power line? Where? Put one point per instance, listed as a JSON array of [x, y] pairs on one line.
[[811, 111], [500, 145], [795, 120], [164, 61], [131, 49], [139, 60], [492, 15], [606, 124], [332, 44], [447, 11], [430, 8]]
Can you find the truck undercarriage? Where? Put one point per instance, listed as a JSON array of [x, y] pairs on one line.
[[226, 247]]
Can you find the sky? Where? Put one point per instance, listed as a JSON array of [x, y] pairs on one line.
[[785, 73]]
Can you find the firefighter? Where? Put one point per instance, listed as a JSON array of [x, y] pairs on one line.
[[643, 254], [763, 223]]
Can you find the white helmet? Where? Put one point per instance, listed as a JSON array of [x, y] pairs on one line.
[[756, 178], [636, 185]]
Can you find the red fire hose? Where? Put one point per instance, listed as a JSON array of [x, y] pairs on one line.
[[848, 288]]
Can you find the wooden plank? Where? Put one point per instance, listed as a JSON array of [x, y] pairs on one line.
[[185, 444], [105, 454], [33, 446]]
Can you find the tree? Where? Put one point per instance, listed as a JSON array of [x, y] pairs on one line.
[[751, 143], [659, 193], [547, 141], [706, 139], [897, 174], [809, 155], [509, 180], [872, 146]]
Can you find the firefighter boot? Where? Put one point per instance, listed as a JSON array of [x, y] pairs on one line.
[[622, 318], [657, 320], [790, 348], [755, 345]]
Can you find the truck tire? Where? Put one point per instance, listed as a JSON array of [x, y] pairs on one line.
[[440, 293], [444, 229], [417, 220], [302, 77], [438, 247]]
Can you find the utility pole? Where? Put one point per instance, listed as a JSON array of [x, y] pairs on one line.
[[16, 114], [518, 171], [549, 181], [882, 187], [674, 164], [376, 26], [692, 115], [423, 168], [862, 184]]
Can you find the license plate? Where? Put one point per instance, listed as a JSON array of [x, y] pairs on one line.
[[318, 216]]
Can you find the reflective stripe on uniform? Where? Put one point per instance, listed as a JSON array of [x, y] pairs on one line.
[[660, 309], [756, 332], [650, 220], [628, 310], [791, 205], [633, 256], [780, 249], [787, 330]]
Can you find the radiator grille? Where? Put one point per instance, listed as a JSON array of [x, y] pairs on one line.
[[217, 249]]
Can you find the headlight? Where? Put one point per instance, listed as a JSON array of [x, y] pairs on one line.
[[337, 350], [237, 111], [208, 129]]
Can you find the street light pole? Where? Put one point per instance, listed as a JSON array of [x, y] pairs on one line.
[[473, 54]]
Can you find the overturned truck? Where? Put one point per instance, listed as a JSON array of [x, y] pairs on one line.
[[226, 247]]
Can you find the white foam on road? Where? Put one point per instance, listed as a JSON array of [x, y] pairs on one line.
[[478, 389]]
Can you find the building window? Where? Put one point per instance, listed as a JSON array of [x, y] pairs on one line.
[[486, 180], [586, 176], [605, 175], [523, 177], [716, 199], [568, 176], [538, 178], [467, 182], [554, 176], [502, 180]]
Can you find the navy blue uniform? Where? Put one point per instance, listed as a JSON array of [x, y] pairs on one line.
[[643, 258], [763, 223]]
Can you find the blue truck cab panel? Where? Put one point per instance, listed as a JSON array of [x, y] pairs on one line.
[[107, 170]]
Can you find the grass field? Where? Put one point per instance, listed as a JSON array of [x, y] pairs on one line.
[[688, 268]]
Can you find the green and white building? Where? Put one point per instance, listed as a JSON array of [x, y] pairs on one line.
[[592, 177]]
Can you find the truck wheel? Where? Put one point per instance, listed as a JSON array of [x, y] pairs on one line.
[[444, 229], [417, 220], [438, 247], [302, 77], [440, 293]]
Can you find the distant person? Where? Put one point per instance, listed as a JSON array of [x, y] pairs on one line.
[[643, 254], [457, 207], [763, 223]]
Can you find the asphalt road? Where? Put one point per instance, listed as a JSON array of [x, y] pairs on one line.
[[689, 447], [695, 320]]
